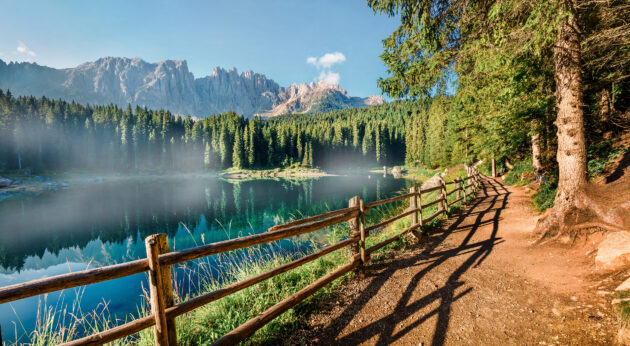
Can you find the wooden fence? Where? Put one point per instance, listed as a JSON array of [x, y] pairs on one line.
[[159, 260]]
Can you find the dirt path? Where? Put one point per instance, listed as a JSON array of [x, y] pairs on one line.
[[477, 282]]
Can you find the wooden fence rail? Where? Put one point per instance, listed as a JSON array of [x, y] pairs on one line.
[[160, 259]]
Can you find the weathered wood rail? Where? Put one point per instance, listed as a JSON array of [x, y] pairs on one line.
[[159, 260]]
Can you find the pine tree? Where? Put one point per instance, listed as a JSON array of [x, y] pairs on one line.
[[310, 155], [305, 158], [238, 158], [223, 147], [251, 151], [206, 156]]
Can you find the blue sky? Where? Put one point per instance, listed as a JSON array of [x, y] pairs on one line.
[[271, 37]]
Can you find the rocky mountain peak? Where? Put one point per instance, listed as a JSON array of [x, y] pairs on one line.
[[170, 85]]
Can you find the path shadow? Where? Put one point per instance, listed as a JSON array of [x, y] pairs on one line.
[[619, 171], [492, 200]]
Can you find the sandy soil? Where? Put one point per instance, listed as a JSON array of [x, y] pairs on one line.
[[478, 282]]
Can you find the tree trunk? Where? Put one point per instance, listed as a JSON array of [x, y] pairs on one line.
[[536, 162], [571, 153]]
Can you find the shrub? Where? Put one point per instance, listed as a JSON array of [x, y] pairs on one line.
[[543, 199], [521, 174]]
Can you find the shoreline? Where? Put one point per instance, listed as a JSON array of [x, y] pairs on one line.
[[20, 184]]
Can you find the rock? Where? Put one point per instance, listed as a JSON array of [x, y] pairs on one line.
[[614, 252], [619, 300], [623, 335], [433, 181], [5, 182], [397, 171], [625, 286]]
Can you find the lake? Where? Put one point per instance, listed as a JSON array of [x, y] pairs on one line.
[[100, 224]]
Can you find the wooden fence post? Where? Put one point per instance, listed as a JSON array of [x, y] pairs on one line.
[[494, 168], [413, 204], [354, 229], [420, 208], [458, 186], [167, 289], [462, 184], [161, 290], [445, 197], [364, 256], [477, 180]]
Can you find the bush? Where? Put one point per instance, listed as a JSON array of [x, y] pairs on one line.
[[521, 174], [543, 199]]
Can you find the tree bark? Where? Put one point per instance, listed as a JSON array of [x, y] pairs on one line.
[[571, 153], [536, 162]]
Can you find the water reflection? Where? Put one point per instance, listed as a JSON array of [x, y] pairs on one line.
[[58, 232]]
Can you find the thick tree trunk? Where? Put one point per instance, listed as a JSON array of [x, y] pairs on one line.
[[571, 153]]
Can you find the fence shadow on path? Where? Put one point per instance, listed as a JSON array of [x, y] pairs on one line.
[[491, 200]]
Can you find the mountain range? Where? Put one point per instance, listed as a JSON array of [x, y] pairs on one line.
[[170, 85]]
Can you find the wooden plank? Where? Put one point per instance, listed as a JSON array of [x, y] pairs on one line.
[[391, 239], [248, 328], [388, 200], [383, 223], [80, 278], [310, 218], [196, 302], [115, 333], [432, 203], [431, 189], [254, 239], [427, 220], [457, 200], [453, 191]]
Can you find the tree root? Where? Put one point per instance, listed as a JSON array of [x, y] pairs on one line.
[[567, 221]]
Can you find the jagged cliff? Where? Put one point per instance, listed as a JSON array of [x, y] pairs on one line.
[[168, 84]]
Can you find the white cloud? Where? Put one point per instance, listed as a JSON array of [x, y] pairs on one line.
[[326, 60], [324, 63], [329, 77], [24, 50]]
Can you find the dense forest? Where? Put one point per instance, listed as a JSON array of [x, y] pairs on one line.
[[41, 134], [544, 81]]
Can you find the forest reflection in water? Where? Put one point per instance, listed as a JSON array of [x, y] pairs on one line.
[[92, 226]]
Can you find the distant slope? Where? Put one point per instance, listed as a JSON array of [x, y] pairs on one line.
[[318, 98], [168, 84]]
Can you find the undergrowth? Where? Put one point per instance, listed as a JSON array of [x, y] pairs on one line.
[[600, 156], [623, 308], [521, 174]]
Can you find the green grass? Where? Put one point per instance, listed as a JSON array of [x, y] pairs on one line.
[[208, 323], [623, 308]]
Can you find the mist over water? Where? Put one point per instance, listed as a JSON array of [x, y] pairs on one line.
[[92, 226]]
